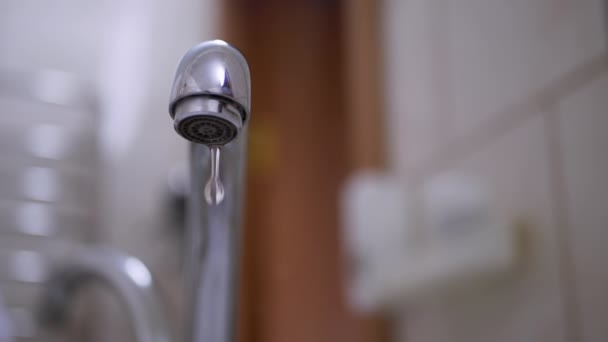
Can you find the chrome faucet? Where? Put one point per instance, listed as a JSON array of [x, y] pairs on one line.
[[210, 105]]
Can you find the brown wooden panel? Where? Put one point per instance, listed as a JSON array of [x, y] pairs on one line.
[[364, 83], [301, 151]]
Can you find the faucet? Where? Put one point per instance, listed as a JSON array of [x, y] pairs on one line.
[[210, 104], [123, 273]]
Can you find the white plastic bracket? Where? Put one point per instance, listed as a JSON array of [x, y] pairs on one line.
[[463, 238]]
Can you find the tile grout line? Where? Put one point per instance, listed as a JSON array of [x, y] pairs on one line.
[[442, 74], [512, 117], [440, 85], [561, 217], [605, 9]]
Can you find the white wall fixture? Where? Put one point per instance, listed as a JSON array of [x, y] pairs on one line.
[[393, 258]]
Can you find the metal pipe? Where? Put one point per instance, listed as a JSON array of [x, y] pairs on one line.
[[210, 105]]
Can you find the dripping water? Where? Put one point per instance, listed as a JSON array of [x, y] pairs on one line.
[[214, 189]]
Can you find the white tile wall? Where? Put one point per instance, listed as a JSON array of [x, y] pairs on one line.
[[584, 140], [455, 69], [527, 306], [501, 52], [454, 65], [411, 82]]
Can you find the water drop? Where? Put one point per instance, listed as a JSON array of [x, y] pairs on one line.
[[214, 189]]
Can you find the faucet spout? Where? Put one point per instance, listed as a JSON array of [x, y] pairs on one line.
[[210, 105]]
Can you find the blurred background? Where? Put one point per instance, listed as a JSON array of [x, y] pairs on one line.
[[359, 107]]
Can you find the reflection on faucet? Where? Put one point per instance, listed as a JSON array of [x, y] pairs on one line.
[[125, 274]]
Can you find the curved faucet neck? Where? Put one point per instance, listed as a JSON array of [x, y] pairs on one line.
[[125, 274]]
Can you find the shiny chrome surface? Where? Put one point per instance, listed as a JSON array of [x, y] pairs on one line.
[[127, 275], [214, 71], [210, 96], [212, 68]]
